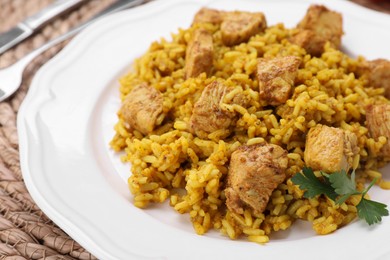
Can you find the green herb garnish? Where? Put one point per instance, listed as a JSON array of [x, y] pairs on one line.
[[339, 187], [312, 185]]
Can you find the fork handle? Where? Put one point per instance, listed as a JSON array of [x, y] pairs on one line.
[[23, 62]]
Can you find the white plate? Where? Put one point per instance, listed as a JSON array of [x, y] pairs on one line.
[[66, 120]]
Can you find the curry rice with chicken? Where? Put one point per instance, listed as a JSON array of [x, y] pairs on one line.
[[218, 119]]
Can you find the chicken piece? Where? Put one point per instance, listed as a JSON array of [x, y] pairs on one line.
[[276, 78], [307, 40], [319, 26], [378, 74], [208, 115], [199, 55], [141, 108], [254, 172], [208, 15], [330, 149], [378, 124], [238, 27]]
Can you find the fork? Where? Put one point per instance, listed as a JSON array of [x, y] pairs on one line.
[[11, 77]]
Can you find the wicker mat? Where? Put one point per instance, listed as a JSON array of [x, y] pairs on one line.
[[25, 231]]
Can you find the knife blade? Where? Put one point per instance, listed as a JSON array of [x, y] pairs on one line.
[[27, 27]]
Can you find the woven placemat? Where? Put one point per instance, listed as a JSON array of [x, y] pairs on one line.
[[25, 231]]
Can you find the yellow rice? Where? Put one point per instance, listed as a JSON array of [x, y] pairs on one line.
[[173, 165]]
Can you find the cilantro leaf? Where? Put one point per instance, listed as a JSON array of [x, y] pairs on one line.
[[371, 211], [312, 185], [343, 185], [340, 186]]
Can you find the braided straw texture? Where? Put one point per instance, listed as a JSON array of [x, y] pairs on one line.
[[25, 231]]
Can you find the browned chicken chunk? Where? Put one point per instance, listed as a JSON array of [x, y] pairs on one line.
[[306, 39], [238, 27], [254, 172], [141, 108], [276, 78], [208, 115], [378, 124], [319, 26], [208, 15], [330, 149], [199, 55], [378, 74]]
